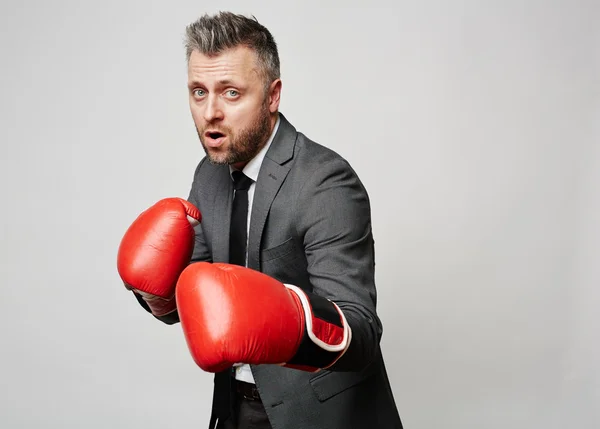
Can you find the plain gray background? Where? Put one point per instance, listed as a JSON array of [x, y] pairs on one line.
[[474, 126]]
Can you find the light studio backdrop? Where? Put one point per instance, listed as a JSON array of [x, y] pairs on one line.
[[474, 126]]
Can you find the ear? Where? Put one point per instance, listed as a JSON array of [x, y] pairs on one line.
[[274, 95]]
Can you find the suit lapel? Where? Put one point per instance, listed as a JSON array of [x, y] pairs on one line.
[[269, 181], [222, 214], [273, 172]]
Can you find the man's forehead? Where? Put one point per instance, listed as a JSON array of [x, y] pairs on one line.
[[240, 58]]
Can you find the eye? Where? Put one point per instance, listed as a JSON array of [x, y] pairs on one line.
[[199, 93], [232, 93]]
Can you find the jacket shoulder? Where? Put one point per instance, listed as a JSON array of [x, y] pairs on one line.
[[316, 155]]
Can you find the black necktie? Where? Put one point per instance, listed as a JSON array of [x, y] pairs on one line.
[[223, 389], [239, 219]]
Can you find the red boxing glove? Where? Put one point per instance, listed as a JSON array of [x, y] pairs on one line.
[[232, 314], [155, 250]]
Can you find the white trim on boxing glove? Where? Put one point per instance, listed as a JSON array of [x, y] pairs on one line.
[[308, 315]]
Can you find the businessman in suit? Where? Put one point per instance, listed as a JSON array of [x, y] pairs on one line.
[[269, 264]]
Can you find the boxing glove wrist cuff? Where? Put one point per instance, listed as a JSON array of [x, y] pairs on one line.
[[326, 336], [158, 306]]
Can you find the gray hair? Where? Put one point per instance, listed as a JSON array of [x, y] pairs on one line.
[[211, 35]]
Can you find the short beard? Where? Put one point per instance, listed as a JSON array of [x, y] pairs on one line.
[[246, 143]]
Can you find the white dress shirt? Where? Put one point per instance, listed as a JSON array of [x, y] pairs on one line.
[[242, 371]]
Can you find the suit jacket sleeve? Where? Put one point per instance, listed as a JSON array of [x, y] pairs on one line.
[[201, 251], [335, 222]]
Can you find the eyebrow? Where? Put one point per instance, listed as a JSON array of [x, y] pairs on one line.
[[222, 82]]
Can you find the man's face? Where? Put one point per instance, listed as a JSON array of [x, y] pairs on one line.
[[231, 110]]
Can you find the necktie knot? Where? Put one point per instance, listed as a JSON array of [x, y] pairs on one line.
[[241, 182]]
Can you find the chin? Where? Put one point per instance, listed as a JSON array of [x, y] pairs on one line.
[[216, 157], [218, 160]]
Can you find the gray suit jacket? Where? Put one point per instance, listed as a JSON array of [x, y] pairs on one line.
[[310, 227]]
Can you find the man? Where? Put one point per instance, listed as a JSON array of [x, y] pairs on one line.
[[269, 264]]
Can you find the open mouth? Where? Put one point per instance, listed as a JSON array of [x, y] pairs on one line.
[[214, 138], [215, 135]]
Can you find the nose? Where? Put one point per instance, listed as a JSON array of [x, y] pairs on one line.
[[213, 110]]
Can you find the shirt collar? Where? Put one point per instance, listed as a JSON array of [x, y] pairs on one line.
[[253, 167]]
